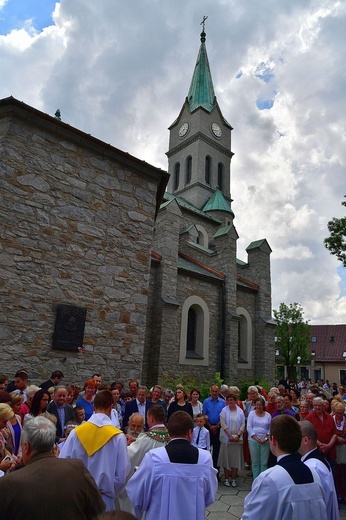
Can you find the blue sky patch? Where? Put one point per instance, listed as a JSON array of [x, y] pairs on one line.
[[15, 13], [263, 104]]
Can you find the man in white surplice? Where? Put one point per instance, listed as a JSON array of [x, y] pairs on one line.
[[102, 448], [175, 481], [290, 489], [315, 460]]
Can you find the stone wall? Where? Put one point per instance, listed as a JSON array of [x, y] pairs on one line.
[[77, 219]]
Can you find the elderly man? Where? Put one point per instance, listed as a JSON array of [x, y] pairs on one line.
[[290, 489], [61, 410], [102, 448], [48, 487], [175, 481], [281, 409], [156, 437], [315, 460], [325, 427], [140, 404], [134, 427]]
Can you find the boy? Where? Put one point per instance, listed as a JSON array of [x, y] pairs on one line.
[[201, 436]]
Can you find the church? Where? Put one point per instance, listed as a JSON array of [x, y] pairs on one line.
[[102, 270], [209, 311]]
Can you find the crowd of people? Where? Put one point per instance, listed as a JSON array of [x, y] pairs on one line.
[[112, 428]]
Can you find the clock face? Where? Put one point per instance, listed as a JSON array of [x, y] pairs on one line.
[[183, 129], [216, 130]]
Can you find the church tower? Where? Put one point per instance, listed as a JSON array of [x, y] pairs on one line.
[[199, 155]]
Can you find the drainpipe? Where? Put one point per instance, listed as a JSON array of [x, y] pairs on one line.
[[223, 330]]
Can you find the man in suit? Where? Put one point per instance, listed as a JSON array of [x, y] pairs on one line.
[[140, 404], [314, 459], [55, 380], [48, 487], [61, 410], [175, 481], [290, 489]]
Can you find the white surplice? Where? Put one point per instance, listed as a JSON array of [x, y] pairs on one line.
[[109, 466], [327, 482], [171, 491], [274, 496]]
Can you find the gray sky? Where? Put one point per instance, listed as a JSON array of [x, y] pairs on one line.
[[121, 71]]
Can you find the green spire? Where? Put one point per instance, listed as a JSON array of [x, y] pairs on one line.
[[201, 93], [217, 202]]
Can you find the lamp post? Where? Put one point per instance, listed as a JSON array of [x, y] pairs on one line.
[[298, 363]]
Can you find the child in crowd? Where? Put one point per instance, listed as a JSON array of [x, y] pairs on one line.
[[201, 436], [79, 414]]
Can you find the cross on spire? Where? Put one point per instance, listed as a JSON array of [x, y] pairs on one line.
[[203, 22]]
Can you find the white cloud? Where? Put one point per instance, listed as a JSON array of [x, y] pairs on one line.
[[121, 71]]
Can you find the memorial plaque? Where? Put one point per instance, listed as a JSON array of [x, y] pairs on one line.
[[69, 327]]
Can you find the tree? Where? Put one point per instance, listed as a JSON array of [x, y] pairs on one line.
[[336, 242], [293, 336]]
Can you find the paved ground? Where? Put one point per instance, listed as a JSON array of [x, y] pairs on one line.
[[229, 503]]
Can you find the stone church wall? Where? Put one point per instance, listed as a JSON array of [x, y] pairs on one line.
[[77, 222]]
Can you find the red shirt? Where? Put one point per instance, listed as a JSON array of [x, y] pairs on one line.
[[325, 429]]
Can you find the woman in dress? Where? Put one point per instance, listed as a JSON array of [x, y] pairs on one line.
[[249, 405], [340, 466], [87, 401], [295, 400], [116, 416], [6, 461], [14, 426], [180, 403], [197, 406], [232, 421], [258, 426]]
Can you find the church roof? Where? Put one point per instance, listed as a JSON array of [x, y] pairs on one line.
[[201, 93], [189, 206], [217, 202]]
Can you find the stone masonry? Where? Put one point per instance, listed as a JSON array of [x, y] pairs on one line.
[[77, 218]]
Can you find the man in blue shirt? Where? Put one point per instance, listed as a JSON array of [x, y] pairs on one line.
[[212, 407]]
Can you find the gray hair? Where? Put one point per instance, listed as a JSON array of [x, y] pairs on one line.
[[253, 389], [40, 433], [31, 390], [317, 400]]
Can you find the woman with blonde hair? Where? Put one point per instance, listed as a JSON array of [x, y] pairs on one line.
[[6, 461], [14, 426]]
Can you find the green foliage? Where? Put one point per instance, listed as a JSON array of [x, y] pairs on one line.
[[189, 382], [293, 335], [336, 242]]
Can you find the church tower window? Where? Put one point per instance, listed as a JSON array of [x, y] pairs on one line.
[[220, 176], [176, 175], [208, 169], [188, 169]]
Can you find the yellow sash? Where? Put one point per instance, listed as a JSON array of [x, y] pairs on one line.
[[93, 437]]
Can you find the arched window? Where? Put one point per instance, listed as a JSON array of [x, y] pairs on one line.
[[194, 332], [176, 175], [188, 169], [208, 169], [220, 176], [244, 337], [191, 345], [202, 238]]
